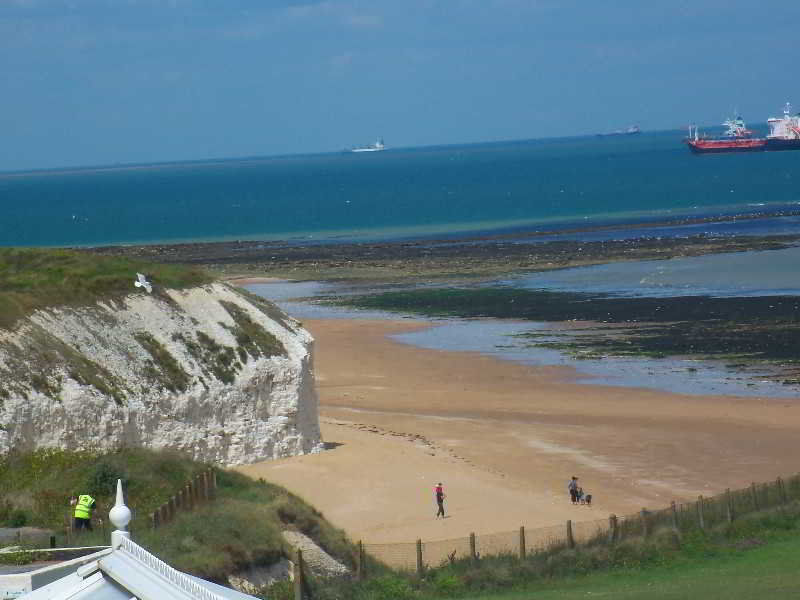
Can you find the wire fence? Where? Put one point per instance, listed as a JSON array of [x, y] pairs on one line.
[[683, 517]]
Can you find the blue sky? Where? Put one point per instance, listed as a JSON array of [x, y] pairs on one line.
[[116, 81]]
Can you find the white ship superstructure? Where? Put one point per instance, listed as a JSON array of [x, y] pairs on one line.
[[376, 147], [784, 132]]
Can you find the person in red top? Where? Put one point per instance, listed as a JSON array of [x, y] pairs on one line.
[[440, 496]]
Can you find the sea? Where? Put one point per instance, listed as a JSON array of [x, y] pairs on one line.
[[405, 193], [562, 188]]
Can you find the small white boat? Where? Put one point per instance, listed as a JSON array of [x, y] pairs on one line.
[[376, 147]]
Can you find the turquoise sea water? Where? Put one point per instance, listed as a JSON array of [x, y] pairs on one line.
[[397, 193]]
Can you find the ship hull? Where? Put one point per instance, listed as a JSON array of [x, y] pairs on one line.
[[726, 146], [777, 144]]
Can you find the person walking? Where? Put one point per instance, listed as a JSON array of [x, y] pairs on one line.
[[440, 496], [84, 505], [572, 486]]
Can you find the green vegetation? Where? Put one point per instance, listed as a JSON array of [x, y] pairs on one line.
[[754, 554], [32, 278], [37, 369], [38, 485], [252, 338], [240, 528], [163, 368], [751, 556], [760, 571], [223, 362]]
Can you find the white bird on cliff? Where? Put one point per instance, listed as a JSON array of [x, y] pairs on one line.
[[141, 281]]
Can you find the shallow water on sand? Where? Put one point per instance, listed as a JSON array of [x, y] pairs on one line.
[[763, 273], [501, 339]]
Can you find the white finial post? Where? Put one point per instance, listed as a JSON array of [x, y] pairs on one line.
[[120, 516]]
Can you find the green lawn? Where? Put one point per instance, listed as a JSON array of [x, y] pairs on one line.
[[756, 573]]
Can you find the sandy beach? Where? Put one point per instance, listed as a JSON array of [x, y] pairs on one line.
[[504, 439]]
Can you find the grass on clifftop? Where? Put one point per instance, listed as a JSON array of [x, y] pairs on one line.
[[32, 278]]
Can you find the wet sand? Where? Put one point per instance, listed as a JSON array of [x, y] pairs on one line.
[[504, 439]]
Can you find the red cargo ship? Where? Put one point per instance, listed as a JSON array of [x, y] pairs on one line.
[[737, 138]]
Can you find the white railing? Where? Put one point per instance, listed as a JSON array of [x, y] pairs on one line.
[[180, 580]]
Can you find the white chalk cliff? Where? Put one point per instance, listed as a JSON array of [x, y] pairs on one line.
[[210, 371]]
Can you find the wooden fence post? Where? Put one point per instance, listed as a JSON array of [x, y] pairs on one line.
[[754, 495], [472, 547], [173, 507], [570, 538], [187, 493], [213, 483], [700, 516], [645, 523], [781, 491], [299, 576], [205, 485], [729, 505], [69, 527], [52, 541], [420, 565], [154, 518], [360, 561], [674, 511], [522, 551], [612, 529]]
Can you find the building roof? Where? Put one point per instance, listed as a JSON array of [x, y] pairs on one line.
[[129, 572]]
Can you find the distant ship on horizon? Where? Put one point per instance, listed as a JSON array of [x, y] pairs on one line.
[[736, 138], [784, 134], [376, 147], [632, 130]]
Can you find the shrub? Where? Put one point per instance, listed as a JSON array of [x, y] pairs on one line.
[[18, 518], [102, 479]]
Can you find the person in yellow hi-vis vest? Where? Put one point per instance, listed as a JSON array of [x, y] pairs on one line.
[[84, 505]]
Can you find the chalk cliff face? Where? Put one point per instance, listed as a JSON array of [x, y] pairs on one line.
[[210, 371]]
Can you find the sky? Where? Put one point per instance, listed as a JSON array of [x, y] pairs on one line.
[[96, 82]]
